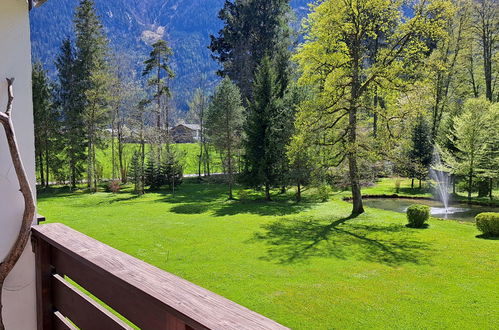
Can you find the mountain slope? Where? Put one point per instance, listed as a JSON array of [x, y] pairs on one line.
[[130, 25]]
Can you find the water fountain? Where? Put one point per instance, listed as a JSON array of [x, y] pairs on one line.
[[442, 181]]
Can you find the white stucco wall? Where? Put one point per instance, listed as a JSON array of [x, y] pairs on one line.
[[15, 61]]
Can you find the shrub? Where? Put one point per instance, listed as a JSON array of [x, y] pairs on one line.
[[113, 186], [397, 185], [417, 215], [488, 223], [323, 192]]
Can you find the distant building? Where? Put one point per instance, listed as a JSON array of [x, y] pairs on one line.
[[186, 133]]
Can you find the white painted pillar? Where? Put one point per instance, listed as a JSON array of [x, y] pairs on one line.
[[15, 61]]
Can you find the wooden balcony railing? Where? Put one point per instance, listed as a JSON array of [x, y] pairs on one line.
[[146, 296]]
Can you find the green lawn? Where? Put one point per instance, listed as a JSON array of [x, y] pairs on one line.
[[305, 265], [387, 186], [188, 154]]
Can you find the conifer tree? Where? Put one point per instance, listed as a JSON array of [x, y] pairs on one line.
[[67, 100], [93, 80], [137, 172], [421, 153], [264, 145], [46, 122], [252, 29], [157, 68]]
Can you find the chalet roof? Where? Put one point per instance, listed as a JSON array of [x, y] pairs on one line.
[[193, 127], [35, 3]]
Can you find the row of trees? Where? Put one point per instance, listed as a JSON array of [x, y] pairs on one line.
[[96, 93], [339, 107], [366, 71]]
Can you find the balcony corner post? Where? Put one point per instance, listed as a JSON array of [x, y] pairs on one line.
[[44, 306]]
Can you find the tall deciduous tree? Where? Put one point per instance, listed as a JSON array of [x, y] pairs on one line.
[[474, 137], [157, 67], [197, 115], [224, 127], [335, 62], [252, 29], [486, 25]]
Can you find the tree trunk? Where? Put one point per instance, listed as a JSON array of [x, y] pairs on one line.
[[470, 184], [412, 183], [267, 192], [41, 168], [298, 192], [491, 186], [47, 164]]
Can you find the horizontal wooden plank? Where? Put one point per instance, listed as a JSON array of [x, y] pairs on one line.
[[147, 289], [60, 322], [81, 309]]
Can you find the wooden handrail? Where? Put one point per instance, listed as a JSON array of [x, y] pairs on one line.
[[147, 296]]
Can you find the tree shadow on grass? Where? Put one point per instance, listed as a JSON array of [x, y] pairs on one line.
[[295, 240], [190, 208], [261, 207], [234, 207]]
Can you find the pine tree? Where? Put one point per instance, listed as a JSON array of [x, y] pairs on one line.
[[92, 81], [224, 127], [157, 67], [68, 100], [421, 153], [153, 171], [137, 172], [46, 125], [252, 29], [171, 171], [265, 131]]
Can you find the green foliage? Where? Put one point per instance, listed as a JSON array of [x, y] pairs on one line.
[[488, 223], [418, 215], [137, 172], [224, 123], [421, 152], [171, 171], [46, 117], [67, 99], [354, 50], [475, 140], [252, 30], [323, 192], [266, 131]]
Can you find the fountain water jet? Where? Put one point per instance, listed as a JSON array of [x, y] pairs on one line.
[[441, 178]]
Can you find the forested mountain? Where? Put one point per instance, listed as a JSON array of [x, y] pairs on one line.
[[130, 25]]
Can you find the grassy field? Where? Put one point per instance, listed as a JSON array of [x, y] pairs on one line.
[[307, 265], [188, 153], [387, 186]]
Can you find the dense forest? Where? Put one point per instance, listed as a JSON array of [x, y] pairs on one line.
[[366, 88], [130, 27]]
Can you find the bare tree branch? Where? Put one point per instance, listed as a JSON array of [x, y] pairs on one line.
[[19, 245]]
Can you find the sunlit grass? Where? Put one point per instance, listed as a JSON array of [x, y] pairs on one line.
[[305, 265]]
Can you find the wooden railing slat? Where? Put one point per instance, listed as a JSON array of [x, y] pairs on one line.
[[129, 301], [81, 310], [60, 322], [147, 296]]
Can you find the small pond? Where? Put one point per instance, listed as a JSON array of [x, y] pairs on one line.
[[457, 211]]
